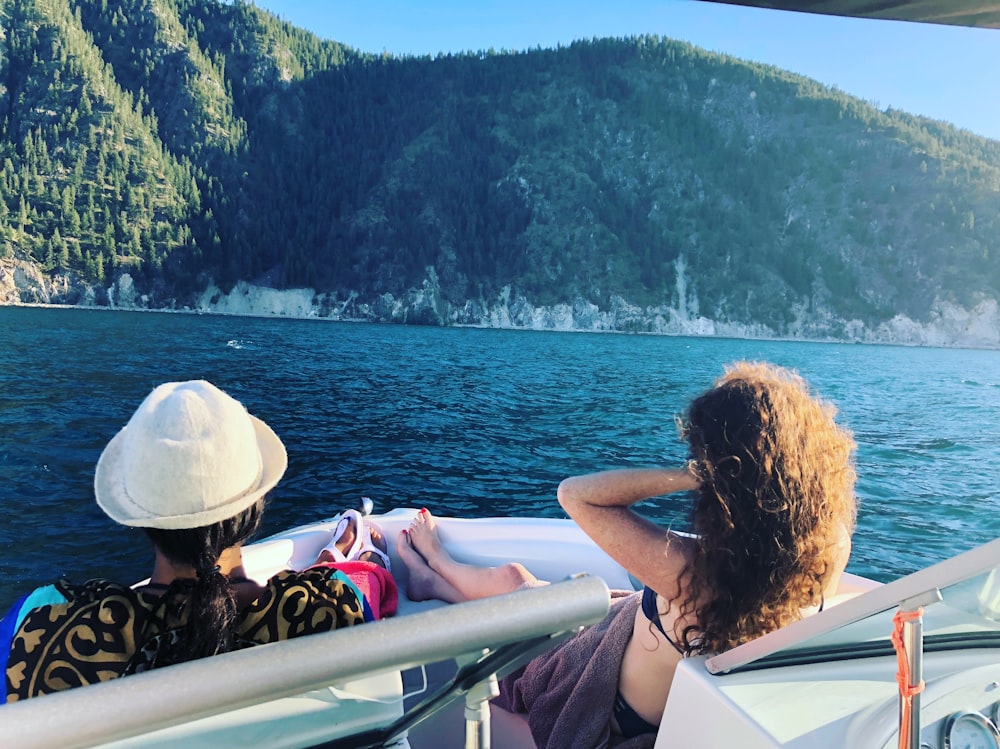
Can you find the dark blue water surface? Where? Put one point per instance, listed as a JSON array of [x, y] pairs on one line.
[[465, 422]]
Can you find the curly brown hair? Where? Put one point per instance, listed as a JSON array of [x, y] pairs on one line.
[[776, 494]]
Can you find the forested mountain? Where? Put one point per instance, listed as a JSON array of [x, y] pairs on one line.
[[187, 143]]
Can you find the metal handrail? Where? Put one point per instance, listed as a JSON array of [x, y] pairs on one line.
[[138, 704]]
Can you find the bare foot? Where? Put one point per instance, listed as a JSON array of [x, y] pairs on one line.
[[426, 541], [378, 539], [344, 543], [424, 584]]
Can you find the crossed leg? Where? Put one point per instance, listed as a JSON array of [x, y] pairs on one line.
[[434, 573]]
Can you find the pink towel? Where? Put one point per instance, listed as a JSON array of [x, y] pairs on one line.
[[377, 584]]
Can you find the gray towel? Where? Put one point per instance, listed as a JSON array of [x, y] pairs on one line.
[[568, 693]]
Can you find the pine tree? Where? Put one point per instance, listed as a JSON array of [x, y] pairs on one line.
[[22, 215], [60, 250]]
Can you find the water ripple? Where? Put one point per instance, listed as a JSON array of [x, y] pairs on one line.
[[463, 421]]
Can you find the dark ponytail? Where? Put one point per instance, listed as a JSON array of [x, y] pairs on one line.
[[210, 626]]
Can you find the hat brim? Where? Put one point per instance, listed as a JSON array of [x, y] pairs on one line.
[[113, 498]]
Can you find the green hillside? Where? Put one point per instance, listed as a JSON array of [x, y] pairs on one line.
[[188, 142]]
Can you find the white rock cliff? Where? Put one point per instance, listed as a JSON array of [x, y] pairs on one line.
[[949, 325]]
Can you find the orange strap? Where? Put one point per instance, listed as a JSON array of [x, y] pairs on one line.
[[906, 689]]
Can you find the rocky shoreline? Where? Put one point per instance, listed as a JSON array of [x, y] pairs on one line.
[[22, 283]]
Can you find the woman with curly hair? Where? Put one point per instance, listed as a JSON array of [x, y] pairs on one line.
[[772, 478]]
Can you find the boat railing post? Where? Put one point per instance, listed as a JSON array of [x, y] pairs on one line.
[[911, 612], [477, 712]]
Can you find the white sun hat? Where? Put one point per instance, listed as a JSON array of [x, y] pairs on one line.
[[190, 456]]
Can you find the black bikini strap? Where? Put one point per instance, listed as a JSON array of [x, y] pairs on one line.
[[651, 612], [649, 609]]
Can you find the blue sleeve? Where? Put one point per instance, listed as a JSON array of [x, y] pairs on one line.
[[365, 605], [12, 620]]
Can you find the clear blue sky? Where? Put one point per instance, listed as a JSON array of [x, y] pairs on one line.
[[941, 72]]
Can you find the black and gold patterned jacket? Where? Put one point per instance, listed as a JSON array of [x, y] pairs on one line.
[[104, 629]]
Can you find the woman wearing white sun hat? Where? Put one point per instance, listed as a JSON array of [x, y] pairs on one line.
[[191, 468]]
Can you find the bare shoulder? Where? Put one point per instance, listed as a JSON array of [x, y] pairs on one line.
[[663, 571]]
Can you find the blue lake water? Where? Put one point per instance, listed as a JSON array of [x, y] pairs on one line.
[[465, 422]]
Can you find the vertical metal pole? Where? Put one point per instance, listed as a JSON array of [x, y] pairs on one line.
[[477, 725], [477, 713], [913, 637], [913, 643]]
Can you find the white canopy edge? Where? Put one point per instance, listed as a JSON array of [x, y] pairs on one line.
[[882, 598]]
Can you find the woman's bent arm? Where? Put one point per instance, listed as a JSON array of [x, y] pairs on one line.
[[600, 502]]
